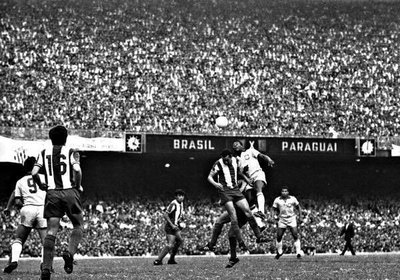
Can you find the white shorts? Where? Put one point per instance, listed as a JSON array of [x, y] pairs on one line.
[[287, 222], [32, 216], [258, 176]]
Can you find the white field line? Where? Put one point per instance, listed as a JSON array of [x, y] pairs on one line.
[[78, 257]]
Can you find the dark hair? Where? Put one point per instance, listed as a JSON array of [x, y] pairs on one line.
[[58, 135], [29, 163], [179, 192], [225, 153], [285, 188]]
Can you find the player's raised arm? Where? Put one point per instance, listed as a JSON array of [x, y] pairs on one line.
[[266, 158], [9, 203], [35, 173]]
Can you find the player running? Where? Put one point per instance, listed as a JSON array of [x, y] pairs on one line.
[[28, 196], [172, 216], [284, 208], [62, 182], [249, 164]]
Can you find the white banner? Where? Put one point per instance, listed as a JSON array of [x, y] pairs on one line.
[[18, 150]]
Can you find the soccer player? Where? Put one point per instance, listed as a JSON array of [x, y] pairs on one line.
[[284, 208], [224, 218], [227, 170], [250, 165], [172, 216], [28, 196], [62, 183]]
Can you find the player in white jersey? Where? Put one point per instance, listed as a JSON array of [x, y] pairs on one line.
[[28, 196], [62, 182], [172, 216], [285, 207], [250, 165]]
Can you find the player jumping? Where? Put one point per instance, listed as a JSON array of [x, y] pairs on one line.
[[249, 164]]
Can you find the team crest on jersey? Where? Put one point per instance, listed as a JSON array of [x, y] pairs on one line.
[[246, 157], [134, 143]]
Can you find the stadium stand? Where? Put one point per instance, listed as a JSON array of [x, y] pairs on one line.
[[174, 66]]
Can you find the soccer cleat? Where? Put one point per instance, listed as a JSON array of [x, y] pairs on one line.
[[10, 267], [232, 262], [260, 214], [45, 274], [68, 262], [207, 248], [278, 256], [171, 261], [299, 256], [157, 262], [262, 240]]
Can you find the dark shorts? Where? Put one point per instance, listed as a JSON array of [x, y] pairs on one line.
[[61, 202], [230, 195], [169, 230]]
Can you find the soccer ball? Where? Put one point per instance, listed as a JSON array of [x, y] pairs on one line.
[[221, 122]]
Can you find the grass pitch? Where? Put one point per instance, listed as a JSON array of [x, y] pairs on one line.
[[376, 266]]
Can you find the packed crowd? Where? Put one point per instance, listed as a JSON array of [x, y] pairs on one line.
[[135, 228], [276, 67]]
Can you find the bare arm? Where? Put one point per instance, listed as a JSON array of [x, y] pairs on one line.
[[36, 178], [300, 213], [10, 202], [210, 179], [167, 218], [266, 158]]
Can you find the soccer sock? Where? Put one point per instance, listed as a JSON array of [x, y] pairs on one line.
[[75, 239], [164, 252], [253, 224], [48, 249], [16, 249], [261, 202], [279, 246], [175, 249], [216, 232], [297, 246], [232, 245], [236, 231]]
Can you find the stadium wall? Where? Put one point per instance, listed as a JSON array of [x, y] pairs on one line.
[[158, 164]]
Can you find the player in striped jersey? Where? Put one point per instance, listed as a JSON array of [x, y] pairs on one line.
[[172, 216], [227, 169], [284, 207], [250, 195], [28, 196], [62, 182]]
